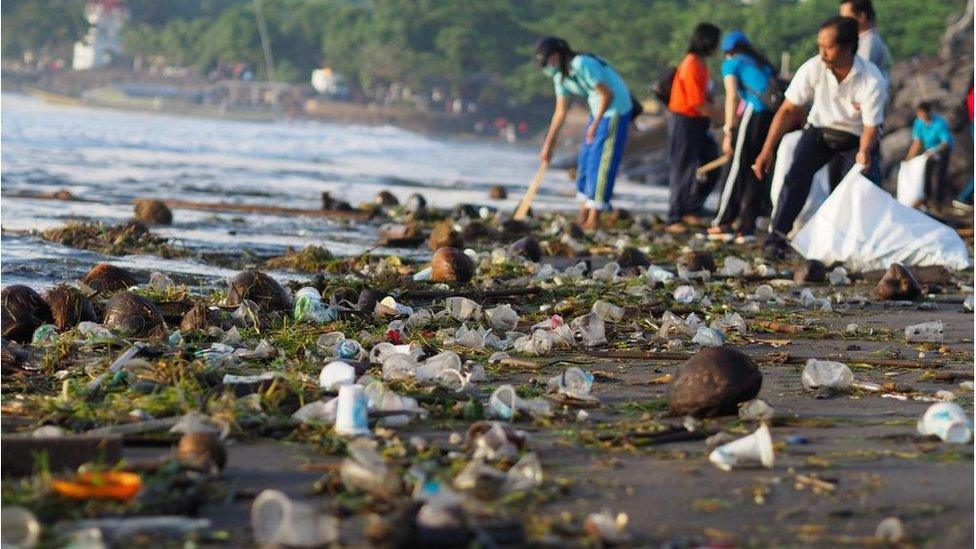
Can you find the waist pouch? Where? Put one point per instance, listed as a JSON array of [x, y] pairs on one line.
[[838, 140]]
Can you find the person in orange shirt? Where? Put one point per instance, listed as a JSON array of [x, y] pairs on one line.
[[689, 141]]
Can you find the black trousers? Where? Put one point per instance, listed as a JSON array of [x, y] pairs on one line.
[[690, 145], [745, 196], [811, 155], [936, 174]]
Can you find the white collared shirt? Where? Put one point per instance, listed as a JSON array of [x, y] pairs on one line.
[[849, 105]]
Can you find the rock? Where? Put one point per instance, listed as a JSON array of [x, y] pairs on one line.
[[497, 192], [810, 271], [632, 258], [69, 307], [416, 204], [511, 229], [386, 198], [898, 283], [134, 316], [201, 317], [449, 265], [475, 230], [528, 247], [713, 382], [697, 261], [201, 451], [153, 211], [105, 278], [444, 236], [23, 311], [367, 300], [260, 288]]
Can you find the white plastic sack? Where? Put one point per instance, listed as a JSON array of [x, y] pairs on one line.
[[864, 227], [819, 190], [911, 180]]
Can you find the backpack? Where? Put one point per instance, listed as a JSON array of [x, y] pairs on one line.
[[661, 88]]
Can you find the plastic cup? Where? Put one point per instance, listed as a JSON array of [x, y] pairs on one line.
[[19, 527], [276, 520], [754, 449], [351, 413], [948, 421], [335, 374]]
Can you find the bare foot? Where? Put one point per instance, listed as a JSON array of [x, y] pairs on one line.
[[676, 228], [720, 229], [592, 219]]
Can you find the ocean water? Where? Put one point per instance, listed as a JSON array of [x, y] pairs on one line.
[[113, 157]]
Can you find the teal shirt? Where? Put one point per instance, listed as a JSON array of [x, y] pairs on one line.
[[932, 134], [585, 72]]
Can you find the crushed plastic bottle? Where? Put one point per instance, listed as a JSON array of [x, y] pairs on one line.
[[608, 272], [591, 330], [607, 311], [502, 317], [463, 309], [685, 294], [838, 277], [708, 337], [827, 374], [573, 382], [927, 332], [524, 475], [730, 322], [398, 366], [431, 368]]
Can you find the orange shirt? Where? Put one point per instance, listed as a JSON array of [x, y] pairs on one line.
[[690, 86]]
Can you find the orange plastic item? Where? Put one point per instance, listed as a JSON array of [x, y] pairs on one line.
[[100, 485]]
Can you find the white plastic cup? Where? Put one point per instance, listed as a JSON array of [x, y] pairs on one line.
[[19, 527], [276, 520], [754, 449], [352, 416], [336, 374], [948, 421]]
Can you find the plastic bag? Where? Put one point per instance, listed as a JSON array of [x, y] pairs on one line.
[[865, 228], [911, 180]]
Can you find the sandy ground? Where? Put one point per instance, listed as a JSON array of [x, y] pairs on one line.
[[863, 445]]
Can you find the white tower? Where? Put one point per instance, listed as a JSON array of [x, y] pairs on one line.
[[101, 43]]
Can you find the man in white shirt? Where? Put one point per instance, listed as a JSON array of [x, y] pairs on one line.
[[870, 46], [848, 96]]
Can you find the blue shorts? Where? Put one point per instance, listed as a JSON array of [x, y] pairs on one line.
[[596, 167]]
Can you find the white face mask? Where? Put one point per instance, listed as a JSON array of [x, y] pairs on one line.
[[550, 71]]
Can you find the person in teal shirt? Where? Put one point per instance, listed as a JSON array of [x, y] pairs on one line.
[[931, 136], [609, 100]]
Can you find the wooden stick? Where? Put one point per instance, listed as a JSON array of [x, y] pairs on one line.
[[523, 208], [782, 358], [779, 327], [354, 215], [713, 165]]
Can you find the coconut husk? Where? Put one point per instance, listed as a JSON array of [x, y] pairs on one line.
[[201, 317], [201, 451], [632, 258], [444, 236], [475, 230], [386, 198], [511, 229], [23, 311], [260, 288], [69, 307], [153, 211], [898, 283], [497, 192], [527, 247], [713, 382], [105, 278], [451, 265], [810, 271], [134, 316], [697, 261]]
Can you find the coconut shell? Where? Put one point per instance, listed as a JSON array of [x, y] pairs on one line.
[[368, 299], [444, 236], [475, 230], [898, 283], [134, 316], [23, 311], [105, 278], [260, 288], [497, 192], [451, 265], [631, 258], [344, 294], [810, 271], [153, 211], [200, 451], [386, 198], [713, 382], [200, 317], [697, 261], [527, 247], [69, 307]]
